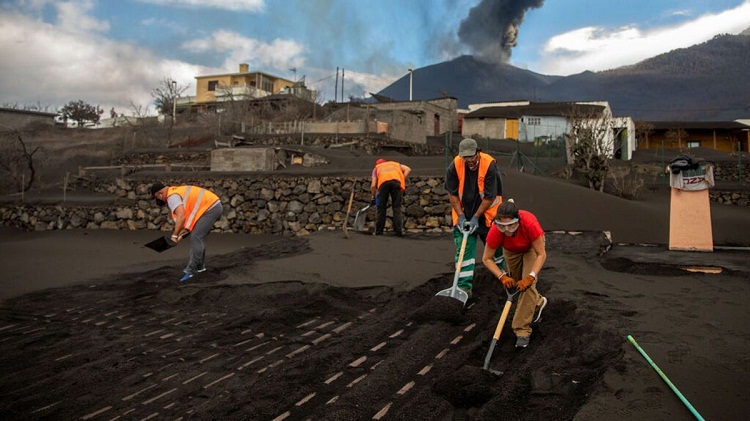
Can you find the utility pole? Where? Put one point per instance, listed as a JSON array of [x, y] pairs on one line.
[[174, 102], [342, 84], [336, 87], [411, 74]]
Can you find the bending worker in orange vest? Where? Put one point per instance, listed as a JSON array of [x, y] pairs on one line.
[[389, 180], [194, 210], [475, 191]]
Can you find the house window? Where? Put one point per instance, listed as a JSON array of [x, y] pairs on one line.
[[693, 144], [212, 84], [533, 121]]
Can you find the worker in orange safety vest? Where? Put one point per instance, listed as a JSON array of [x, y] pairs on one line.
[[475, 191], [194, 211], [389, 181]]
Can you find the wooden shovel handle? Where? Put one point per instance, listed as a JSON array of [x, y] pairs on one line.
[[501, 323], [460, 260], [348, 211]]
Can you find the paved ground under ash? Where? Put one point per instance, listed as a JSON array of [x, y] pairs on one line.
[[145, 347]]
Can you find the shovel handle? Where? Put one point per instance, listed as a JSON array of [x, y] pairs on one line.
[[501, 322], [348, 210], [460, 260]]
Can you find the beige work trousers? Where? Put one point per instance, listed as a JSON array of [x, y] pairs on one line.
[[519, 266]]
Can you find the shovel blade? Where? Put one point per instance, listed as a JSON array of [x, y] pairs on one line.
[[360, 219], [488, 357], [456, 293], [161, 244]]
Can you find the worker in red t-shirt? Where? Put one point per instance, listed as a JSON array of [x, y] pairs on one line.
[[521, 237]]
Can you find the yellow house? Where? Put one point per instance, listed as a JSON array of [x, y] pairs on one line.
[[243, 85]]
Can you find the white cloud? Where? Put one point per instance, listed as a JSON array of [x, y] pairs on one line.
[[678, 13], [170, 25], [51, 65], [73, 17], [278, 54], [595, 48], [231, 5]]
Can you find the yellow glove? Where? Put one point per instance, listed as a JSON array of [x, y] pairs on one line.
[[525, 283], [507, 281]]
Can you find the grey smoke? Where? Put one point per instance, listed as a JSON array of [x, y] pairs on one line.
[[491, 29]]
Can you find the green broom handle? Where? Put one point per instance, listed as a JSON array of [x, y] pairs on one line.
[[664, 377]]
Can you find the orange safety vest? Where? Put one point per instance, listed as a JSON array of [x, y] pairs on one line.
[[196, 201], [390, 170], [484, 166]]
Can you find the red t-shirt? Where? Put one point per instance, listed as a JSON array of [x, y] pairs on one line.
[[528, 230]]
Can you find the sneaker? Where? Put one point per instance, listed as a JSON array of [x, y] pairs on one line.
[[541, 307], [522, 341], [186, 277]]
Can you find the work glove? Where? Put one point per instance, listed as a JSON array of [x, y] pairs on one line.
[[507, 281], [461, 222], [473, 225], [373, 202], [525, 283]]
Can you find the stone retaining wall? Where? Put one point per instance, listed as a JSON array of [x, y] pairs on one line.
[[729, 171], [730, 198], [276, 205]]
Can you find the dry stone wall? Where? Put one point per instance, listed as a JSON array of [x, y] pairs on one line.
[[732, 171], [275, 205]]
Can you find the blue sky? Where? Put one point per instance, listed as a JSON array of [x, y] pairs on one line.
[[114, 53]]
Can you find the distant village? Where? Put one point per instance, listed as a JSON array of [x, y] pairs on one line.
[[264, 103]]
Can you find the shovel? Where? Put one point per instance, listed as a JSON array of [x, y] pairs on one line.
[[455, 291], [163, 243], [348, 210], [498, 330], [359, 224]]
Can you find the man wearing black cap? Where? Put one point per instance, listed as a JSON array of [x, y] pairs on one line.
[[475, 191], [194, 210]]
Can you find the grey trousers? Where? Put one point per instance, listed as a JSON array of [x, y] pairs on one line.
[[198, 238]]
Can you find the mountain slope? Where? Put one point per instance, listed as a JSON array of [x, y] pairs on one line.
[[470, 81], [707, 81]]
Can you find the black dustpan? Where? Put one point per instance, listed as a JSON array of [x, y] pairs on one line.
[[163, 243]]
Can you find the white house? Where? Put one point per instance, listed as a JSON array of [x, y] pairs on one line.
[[545, 122]]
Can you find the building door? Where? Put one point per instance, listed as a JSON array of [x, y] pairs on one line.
[[511, 128]]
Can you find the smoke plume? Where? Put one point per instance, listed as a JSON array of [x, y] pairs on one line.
[[491, 29]]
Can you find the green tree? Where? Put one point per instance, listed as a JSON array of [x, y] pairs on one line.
[[81, 112]]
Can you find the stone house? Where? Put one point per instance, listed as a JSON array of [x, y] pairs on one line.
[[18, 119]]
